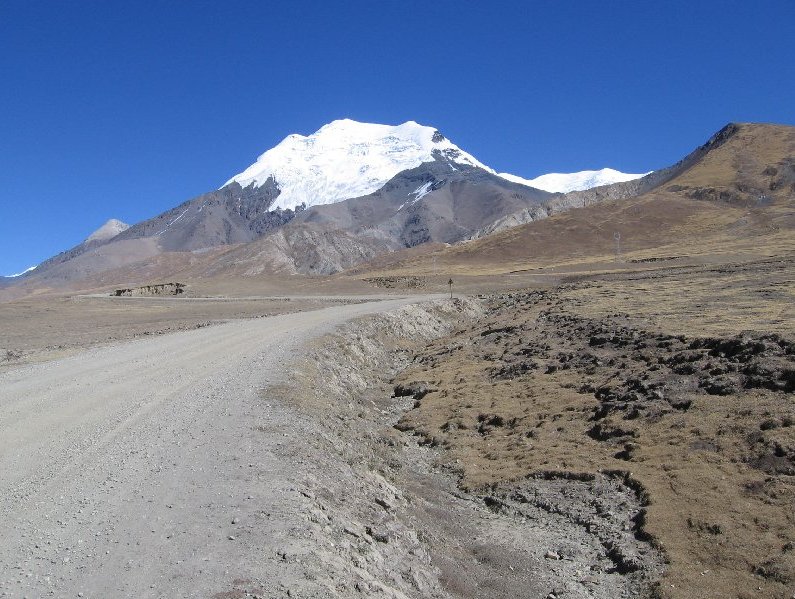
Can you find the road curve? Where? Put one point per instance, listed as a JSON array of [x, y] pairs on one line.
[[149, 468]]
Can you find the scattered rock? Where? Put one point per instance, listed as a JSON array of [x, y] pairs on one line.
[[378, 535], [416, 389]]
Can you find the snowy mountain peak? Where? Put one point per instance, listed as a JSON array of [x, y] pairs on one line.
[[346, 159], [566, 182], [107, 231]]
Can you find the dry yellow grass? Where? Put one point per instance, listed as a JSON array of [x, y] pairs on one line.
[[718, 508]]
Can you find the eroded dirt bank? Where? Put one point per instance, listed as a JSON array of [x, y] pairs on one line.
[[407, 528]]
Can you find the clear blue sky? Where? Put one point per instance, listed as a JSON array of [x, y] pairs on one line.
[[126, 108]]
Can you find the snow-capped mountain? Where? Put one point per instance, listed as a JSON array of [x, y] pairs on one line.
[[438, 193], [331, 199], [107, 231], [566, 182], [347, 159]]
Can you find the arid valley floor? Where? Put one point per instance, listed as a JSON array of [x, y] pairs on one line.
[[627, 430]]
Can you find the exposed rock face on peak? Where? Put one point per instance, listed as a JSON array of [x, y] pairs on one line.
[[108, 231], [229, 215], [434, 202]]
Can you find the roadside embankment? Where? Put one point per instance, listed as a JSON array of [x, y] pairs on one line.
[[391, 504]]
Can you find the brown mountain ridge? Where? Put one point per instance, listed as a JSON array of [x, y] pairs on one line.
[[736, 193]]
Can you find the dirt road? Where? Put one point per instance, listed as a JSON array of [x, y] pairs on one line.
[[150, 468]]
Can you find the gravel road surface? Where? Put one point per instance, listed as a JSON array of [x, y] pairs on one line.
[[157, 467]]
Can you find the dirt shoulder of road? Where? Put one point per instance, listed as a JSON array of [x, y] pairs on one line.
[[681, 380], [416, 527]]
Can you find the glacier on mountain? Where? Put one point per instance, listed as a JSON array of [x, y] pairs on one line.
[[566, 182], [347, 159]]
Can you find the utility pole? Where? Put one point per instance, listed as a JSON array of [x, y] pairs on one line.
[[450, 282]]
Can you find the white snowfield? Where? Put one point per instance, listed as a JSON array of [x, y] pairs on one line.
[[566, 182], [346, 159]]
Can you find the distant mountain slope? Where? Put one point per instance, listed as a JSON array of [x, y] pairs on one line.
[[104, 234], [229, 215], [10, 278], [239, 231], [616, 191], [434, 202], [737, 188]]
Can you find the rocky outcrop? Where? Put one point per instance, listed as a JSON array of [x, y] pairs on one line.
[[160, 289]]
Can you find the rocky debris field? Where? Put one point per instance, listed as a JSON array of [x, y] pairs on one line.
[[694, 432]]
